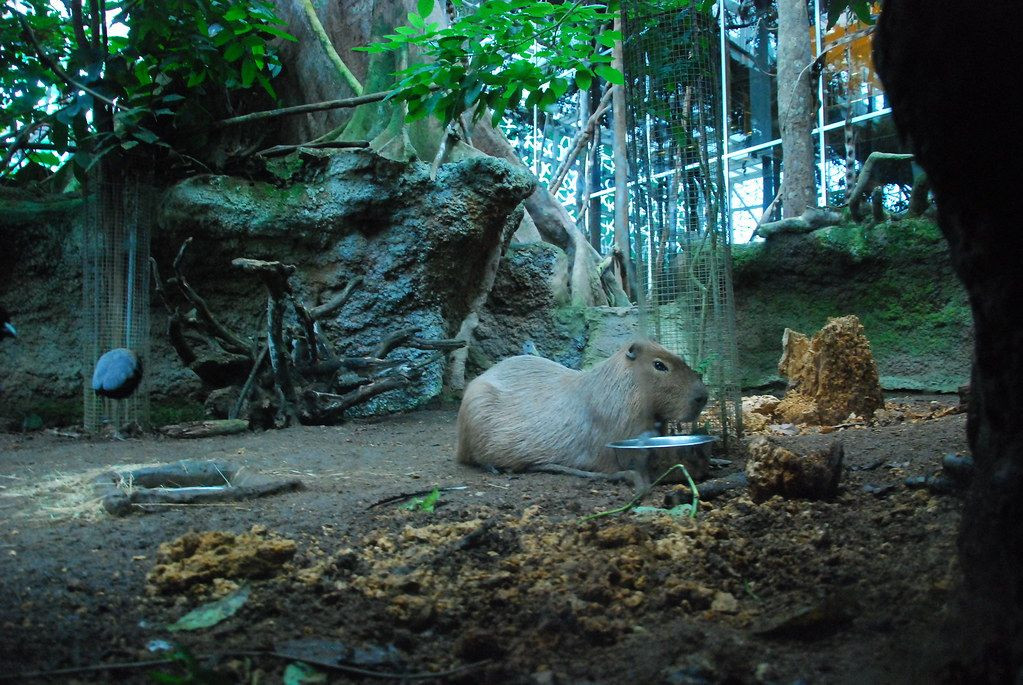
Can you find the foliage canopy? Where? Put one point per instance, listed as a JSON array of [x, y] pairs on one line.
[[123, 73]]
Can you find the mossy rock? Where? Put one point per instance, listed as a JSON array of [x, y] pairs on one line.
[[896, 277]]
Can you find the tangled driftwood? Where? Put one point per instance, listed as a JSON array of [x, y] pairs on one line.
[[285, 375]]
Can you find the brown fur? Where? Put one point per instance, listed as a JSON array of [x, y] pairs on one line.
[[528, 412]]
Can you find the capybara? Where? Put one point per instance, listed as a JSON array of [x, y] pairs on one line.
[[530, 413]]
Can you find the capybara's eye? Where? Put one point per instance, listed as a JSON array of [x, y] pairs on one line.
[[659, 365]]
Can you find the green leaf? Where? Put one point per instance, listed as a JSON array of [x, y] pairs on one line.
[[145, 135], [237, 11], [248, 72], [609, 74], [141, 71], [234, 51], [213, 613], [43, 158], [426, 503], [195, 78], [299, 673], [278, 33], [583, 79], [265, 82], [424, 7], [416, 21], [558, 87]]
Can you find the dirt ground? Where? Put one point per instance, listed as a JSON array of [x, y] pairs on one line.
[[504, 576]]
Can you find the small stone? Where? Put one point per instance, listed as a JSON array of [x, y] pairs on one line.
[[544, 678], [725, 603], [764, 673]]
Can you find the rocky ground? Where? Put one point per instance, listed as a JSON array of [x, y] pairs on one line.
[[505, 581]]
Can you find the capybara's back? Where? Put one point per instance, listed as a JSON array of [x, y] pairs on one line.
[[529, 411]]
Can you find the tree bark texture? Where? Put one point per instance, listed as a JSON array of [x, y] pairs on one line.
[[942, 65], [796, 104]]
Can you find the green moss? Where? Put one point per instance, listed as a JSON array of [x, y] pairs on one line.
[[69, 412], [16, 212], [284, 168], [55, 412], [169, 413], [895, 277]]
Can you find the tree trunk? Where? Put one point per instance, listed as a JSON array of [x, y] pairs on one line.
[[620, 126], [965, 143], [795, 107]]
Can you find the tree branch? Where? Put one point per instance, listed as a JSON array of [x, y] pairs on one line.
[[303, 109], [278, 150], [863, 182], [580, 141], [810, 220], [328, 47], [333, 304], [230, 341], [56, 68]]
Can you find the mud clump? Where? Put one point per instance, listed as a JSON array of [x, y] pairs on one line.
[[831, 376], [773, 470], [195, 561]]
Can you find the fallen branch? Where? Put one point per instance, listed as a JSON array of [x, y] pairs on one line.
[[767, 212], [864, 181], [810, 220], [230, 341], [393, 340], [333, 304], [175, 322], [278, 150], [275, 277], [247, 386]]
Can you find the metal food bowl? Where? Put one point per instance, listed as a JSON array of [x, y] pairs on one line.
[[657, 454], [662, 442]]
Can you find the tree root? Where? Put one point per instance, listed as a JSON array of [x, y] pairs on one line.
[[306, 382]]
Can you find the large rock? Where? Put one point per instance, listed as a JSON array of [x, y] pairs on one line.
[[418, 243], [528, 312], [831, 376]]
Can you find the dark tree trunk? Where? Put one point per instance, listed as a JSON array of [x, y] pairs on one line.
[[940, 63]]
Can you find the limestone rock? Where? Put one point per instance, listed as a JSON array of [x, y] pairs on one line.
[[773, 470], [758, 412], [526, 311], [830, 376]]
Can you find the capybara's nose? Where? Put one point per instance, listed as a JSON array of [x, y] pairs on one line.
[[698, 395]]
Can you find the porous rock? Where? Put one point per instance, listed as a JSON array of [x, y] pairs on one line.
[[419, 244], [774, 470], [831, 376]]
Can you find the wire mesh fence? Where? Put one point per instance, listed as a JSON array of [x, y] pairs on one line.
[[116, 229], [680, 236]]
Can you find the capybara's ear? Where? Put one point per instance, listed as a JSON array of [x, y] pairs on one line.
[[631, 352]]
